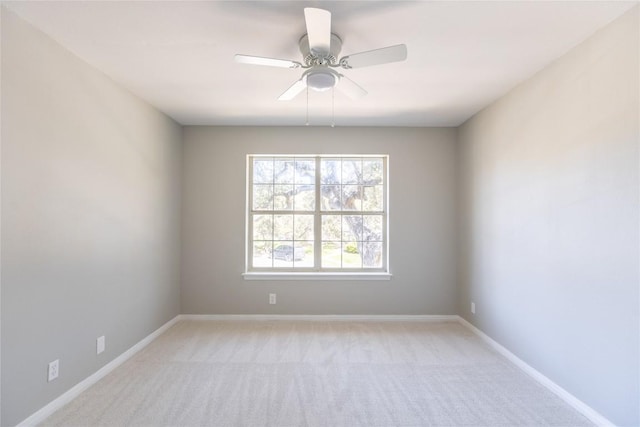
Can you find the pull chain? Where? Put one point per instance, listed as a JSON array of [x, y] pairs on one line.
[[333, 107], [307, 122]]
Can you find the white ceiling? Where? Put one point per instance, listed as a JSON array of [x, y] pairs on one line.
[[178, 55]]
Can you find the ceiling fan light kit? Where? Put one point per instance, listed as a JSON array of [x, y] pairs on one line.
[[320, 50], [321, 80]]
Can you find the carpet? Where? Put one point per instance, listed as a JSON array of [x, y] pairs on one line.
[[317, 373]]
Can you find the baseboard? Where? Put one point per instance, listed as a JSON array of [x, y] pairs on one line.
[[323, 317], [569, 398], [73, 392]]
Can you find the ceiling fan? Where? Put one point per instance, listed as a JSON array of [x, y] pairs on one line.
[[320, 49]]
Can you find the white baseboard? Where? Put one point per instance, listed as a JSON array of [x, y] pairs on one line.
[[569, 398], [323, 317], [73, 392]]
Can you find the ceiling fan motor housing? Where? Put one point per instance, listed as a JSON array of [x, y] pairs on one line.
[[315, 58]]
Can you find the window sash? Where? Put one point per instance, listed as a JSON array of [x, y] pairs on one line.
[[318, 214]]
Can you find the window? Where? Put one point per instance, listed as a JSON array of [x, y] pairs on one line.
[[317, 214]]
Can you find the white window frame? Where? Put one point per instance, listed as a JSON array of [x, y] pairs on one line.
[[317, 272]]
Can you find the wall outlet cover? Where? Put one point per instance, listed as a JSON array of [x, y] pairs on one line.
[[100, 344], [54, 370]]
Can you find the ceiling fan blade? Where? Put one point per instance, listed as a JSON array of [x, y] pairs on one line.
[[350, 88], [271, 62], [318, 30], [375, 57], [293, 91]]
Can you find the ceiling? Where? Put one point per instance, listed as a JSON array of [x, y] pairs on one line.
[[178, 55]]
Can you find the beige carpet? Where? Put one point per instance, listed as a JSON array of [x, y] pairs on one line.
[[311, 373]]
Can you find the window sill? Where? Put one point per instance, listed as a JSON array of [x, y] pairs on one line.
[[316, 276]]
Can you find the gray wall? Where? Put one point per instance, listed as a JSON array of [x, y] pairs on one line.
[[90, 208], [422, 222], [550, 221]]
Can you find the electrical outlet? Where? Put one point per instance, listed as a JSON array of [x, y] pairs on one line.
[[272, 298], [473, 308], [54, 369], [100, 345]]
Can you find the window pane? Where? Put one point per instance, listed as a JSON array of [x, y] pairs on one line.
[[263, 197], [351, 171], [330, 171], [305, 197], [351, 198], [283, 171], [371, 254], [283, 227], [283, 197], [262, 254], [372, 228], [372, 171], [305, 171], [263, 170], [331, 255], [283, 254], [303, 227], [331, 228], [373, 199], [351, 228], [305, 257], [351, 255], [262, 227], [331, 197]]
